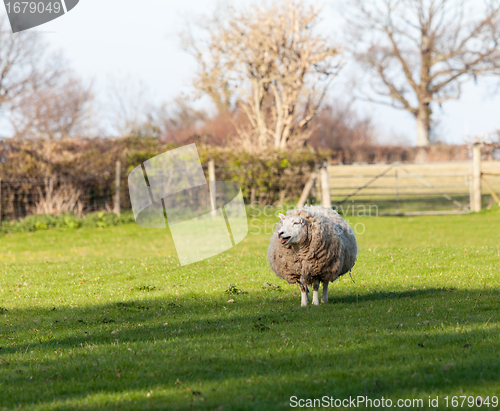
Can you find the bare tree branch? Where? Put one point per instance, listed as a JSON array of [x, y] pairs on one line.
[[269, 61], [21, 62], [421, 51], [54, 112]]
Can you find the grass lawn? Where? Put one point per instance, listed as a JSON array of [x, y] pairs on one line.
[[107, 319]]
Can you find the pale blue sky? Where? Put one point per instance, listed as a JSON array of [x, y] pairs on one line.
[[119, 38]]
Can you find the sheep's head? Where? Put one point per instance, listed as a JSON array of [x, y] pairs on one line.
[[292, 231]]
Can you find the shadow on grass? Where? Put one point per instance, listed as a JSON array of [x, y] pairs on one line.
[[382, 295], [254, 353]]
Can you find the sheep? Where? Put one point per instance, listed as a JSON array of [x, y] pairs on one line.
[[312, 245]]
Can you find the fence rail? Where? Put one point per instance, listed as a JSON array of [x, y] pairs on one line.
[[412, 188]]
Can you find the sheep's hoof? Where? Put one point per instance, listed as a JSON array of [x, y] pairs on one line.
[[316, 302], [303, 304], [323, 301]]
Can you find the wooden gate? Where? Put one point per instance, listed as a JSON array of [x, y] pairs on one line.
[[407, 188]]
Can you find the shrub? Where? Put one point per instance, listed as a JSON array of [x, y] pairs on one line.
[[88, 166], [66, 221]]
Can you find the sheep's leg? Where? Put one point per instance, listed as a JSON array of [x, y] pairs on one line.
[[315, 292], [324, 298], [304, 296]]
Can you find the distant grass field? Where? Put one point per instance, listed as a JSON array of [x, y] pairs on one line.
[[106, 319]]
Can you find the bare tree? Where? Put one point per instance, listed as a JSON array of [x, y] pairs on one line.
[[270, 62], [130, 106], [339, 126], [133, 113], [177, 120], [31, 83], [20, 58], [53, 111], [420, 52]]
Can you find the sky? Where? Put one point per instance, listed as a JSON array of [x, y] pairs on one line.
[[130, 39]]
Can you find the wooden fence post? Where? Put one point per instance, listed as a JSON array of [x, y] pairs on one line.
[[326, 197], [253, 195], [211, 179], [397, 189], [476, 176], [471, 189], [307, 188], [316, 191], [116, 208]]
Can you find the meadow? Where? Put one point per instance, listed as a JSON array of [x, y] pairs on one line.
[[105, 318]]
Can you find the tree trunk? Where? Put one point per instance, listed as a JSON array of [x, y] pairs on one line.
[[285, 133], [423, 126], [277, 141]]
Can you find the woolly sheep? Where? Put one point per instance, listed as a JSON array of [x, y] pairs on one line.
[[312, 245]]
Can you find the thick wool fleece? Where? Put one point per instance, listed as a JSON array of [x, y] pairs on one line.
[[329, 251]]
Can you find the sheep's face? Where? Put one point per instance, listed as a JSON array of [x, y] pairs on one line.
[[292, 231]]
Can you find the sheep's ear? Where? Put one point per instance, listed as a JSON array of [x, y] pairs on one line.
[[282, 217]]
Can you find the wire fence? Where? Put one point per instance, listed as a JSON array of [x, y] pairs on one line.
[[397, 188], [56, 195], [53, 195]]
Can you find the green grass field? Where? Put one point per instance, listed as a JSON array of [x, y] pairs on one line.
[[107, 319]]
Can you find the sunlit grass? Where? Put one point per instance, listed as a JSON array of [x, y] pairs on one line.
[[107, 319]]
